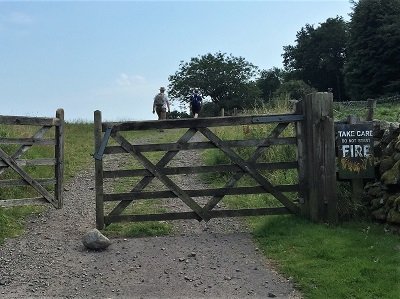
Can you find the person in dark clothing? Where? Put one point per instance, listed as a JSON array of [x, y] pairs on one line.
[[195, 103]]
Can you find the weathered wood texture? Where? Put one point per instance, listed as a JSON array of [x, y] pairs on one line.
[[59, 155], [33, 121], [357, 185], [238, 167], [318, 151], [205, 122], [315, 165], [98, 172], [371, 105], [192, 215], [13, 161]]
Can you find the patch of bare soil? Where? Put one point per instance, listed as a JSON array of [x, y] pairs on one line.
[[217, 259]]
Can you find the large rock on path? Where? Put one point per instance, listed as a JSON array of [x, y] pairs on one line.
[[94, 239]]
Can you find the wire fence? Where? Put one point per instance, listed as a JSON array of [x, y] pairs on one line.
[[387, 108]]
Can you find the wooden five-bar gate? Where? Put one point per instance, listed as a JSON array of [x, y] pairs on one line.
[[14, 165], [310, 130]]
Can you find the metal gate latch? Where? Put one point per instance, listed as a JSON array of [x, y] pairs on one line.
[[104, 141]]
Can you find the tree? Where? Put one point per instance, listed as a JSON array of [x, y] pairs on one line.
[[224, 78], [373, 63], [318, 56], [177, 114], [269, 82], [293, 89]]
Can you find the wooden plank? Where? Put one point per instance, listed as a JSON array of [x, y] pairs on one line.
[[27, 141], [32, 162], [129, 196], [25, 120], [202, 145], [191, 215], [371, 105], [25, 176], [250, 212], [59, 156], [202, 122], [22, 149], [98, 172], [161, 163], [357, 184], [313, 116], [157, 171], [302, 160], [199, 169], [43, 182], [251, 171], [7, 203], [257, 154], [320, 155], [329, 161]]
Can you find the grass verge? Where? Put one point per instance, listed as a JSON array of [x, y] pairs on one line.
[[352, 260]]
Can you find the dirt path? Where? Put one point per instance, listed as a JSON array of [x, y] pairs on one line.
[[213, 260]]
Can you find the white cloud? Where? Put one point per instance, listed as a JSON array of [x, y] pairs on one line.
[[18, 18], [127, 80], [126, 85]]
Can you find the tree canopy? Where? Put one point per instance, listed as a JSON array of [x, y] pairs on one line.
[[269, 81], [224, 78], [373, 63], [318, 56], [357, 60]]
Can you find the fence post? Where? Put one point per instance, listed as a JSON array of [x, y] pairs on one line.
[[59, 156], [371, 104], [222, 111], [98, 166], [357, 185], [301, 160], [320, 157]]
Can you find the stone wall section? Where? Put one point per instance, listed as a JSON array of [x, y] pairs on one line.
[[382, 196]]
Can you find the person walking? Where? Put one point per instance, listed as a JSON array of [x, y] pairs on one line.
[[161, 104], [195, 103]]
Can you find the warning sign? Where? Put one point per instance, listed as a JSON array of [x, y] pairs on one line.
[[355, 150]]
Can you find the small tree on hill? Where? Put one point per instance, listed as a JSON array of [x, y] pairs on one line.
[[221, 77]]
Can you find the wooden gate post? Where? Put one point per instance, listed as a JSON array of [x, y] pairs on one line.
[[59, 155], [98, 166], [320, 159]]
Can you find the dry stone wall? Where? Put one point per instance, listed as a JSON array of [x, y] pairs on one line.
[[382, 196]]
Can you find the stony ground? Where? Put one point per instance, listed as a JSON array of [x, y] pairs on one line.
[[213, 260]]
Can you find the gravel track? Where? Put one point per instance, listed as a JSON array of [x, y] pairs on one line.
[[217, 259]]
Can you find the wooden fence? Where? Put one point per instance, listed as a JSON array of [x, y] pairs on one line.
[[312, 134], [16, 165]]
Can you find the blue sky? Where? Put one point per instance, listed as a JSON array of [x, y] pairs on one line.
[[114, 55]]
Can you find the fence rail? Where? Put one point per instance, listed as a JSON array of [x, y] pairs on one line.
[[17, 166], [311, 124]]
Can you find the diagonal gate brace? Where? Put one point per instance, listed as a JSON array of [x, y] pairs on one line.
[[104, 141]]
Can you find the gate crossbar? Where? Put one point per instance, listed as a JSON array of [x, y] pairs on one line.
[[13, 162], [158, 170]]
